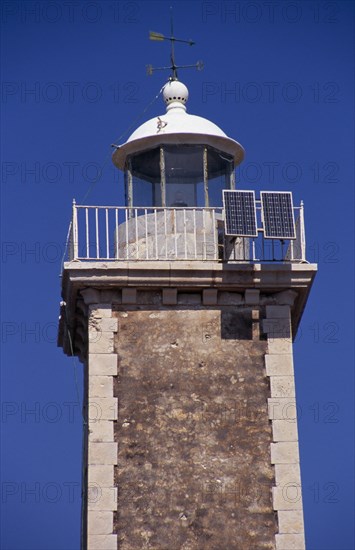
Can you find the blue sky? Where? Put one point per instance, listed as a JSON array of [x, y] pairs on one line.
[[278, 78]]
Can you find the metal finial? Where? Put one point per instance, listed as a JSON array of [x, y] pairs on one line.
[[173, 67]]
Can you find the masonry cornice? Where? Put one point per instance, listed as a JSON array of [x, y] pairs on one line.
[[95, 278]]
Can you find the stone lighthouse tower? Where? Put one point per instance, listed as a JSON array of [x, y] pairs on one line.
[[182, 306]]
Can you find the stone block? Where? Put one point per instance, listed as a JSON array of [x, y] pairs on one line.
[[283, 430], [101, 431], [104, 324], [290, 542], [100, 523], [288, 497], [291, 521], [102, 408], [100, 386], [255, 315], [129, 296], [102, 498], [100, 342], [278, 346], [209, 297], [282, 386], [279, 365], [102, 453], [102, 364], [101, 474], [282, 408], [284, 452], [102, 542], [252, 296], [278, 312], [277, 328], [169, 296], [287, 473], [100, 310]]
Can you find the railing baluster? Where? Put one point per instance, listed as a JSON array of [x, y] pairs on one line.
[[136, 225], [175, 233], [97, 232], [166, 235], [128, 213], [156, 234], [185, 235], [116, 232], [107, 237], [302, 234], [204, 252], [87, 232], [195, 234], [75, 232], [215, 234], [146, 235]]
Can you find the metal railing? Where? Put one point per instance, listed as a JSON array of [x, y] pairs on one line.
[[113, 233]]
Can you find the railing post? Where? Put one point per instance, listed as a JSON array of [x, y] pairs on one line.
[[302, 233], [75, 247]]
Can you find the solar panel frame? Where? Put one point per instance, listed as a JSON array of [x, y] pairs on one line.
[[278, 215], [240, 213]]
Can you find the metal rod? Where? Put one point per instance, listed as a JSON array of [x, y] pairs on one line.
[[195, 234], [129, 184], [162, 177], [136, 226], [185, 234], [107, 236], [128, 217], [146, 235], [116, 232], [97, 232], [156, 234], [302, 233], [205, 177], [87, 232], [75, 232]]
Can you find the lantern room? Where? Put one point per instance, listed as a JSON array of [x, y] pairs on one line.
[[177, 159]]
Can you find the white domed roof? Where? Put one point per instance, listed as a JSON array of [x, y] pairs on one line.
[[177, 126]]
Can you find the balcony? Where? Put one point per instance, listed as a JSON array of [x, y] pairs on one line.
[[115, 233]]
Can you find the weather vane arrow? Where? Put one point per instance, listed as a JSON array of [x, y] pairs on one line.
[[156, 36]]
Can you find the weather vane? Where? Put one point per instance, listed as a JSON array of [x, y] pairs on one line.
[[173, 67]]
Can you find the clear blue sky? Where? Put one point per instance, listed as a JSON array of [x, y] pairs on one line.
[[278, 78]]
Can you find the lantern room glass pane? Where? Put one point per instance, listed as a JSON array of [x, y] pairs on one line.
[[183, 173], [220, 167]]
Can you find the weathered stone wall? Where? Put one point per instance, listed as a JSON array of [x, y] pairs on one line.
[[193, 433]]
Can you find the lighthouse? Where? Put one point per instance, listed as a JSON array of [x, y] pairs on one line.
[[182, 305]]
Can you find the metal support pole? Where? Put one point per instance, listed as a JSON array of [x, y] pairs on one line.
[[302, 233], [129, 187], [205, 178], [162, 178], [75, 232]]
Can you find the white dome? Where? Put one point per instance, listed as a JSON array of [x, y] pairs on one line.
[[176, 121], [177, 126]]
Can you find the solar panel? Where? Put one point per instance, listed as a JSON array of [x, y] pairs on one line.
[[278, 218], [240, 213]]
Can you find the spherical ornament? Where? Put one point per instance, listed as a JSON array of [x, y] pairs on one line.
[[175, 91]]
